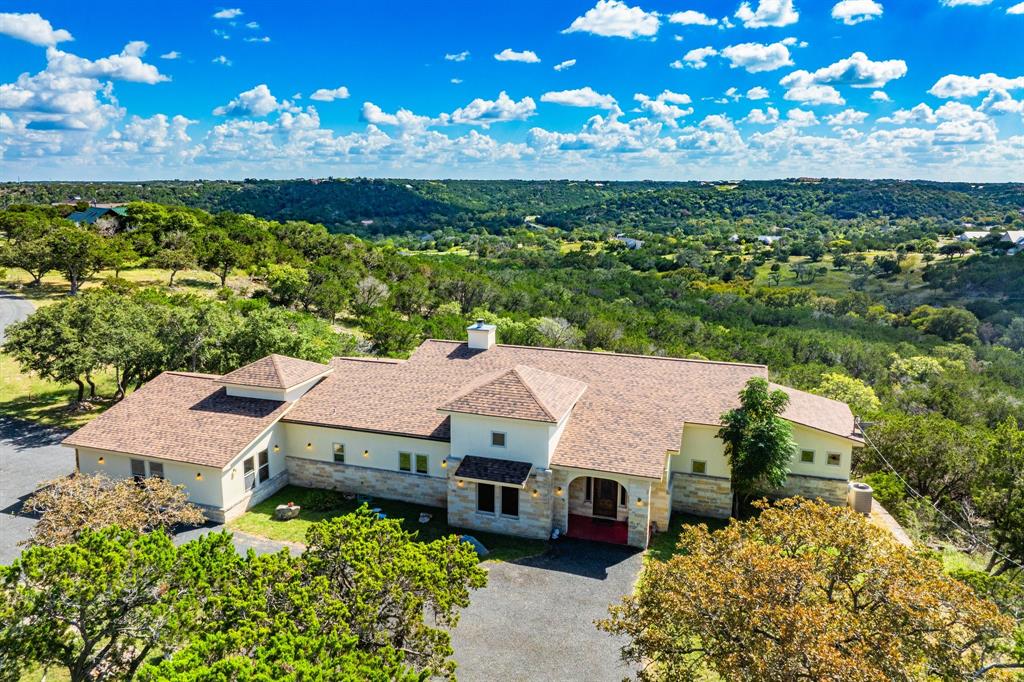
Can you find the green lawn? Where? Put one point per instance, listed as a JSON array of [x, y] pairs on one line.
[[260, 521], [25, 396], [663, 545]]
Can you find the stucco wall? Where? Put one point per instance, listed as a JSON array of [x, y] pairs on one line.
[[525, 441], [233, 476], [391, 485], [535, 507], [206, 492], [292, 394], [382, 449]]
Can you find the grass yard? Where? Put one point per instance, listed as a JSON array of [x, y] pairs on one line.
[[25, 396], [260, 521], [663, 545]]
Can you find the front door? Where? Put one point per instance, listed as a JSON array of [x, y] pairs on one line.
[[606, 495]]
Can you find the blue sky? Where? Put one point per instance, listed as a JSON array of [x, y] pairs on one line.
[[665, 90]]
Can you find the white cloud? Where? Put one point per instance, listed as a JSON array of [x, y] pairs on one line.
[[757, 92], [580, 97], [664, 107], [958, 87], [768, 13], [484, 112], [457, 56], [1016, 9], [801, 118], [768, 116], [613, 18], [173, 54], [403, 118], [857, 70], [126, 66], [880, 96], [567, 64], [222, 60], [510, 55], [254, 39], [330, 94], [228, 13], [814, 94], [32, 28], [255, 102], [970, 3], [692, 18], [1001, 102], [455, 81], [922, 113], [253, 25], [696, 58], [758, 57], [847, 117], [852, 12]]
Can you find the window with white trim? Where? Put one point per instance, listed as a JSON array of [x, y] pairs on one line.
[[339, 452], [698, 467], [138, 469], [405, 461], [835, 459], [498, 439], [422, 464], [264, 472], [249, 473], [156, 469], [807, 456]]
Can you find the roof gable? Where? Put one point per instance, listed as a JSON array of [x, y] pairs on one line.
[[522, 392], [275, 371]]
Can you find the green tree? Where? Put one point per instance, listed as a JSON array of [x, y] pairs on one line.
[[858, 395], [77, 252], [119, 253], [178, 253], [286, 282], [220, 254], [390, 333], [100, 605], [949, 324], [999, 496], [758, 442]]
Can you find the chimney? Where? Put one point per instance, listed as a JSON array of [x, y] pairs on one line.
[[481, 336]]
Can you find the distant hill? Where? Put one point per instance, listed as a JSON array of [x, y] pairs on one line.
[[384, 207]]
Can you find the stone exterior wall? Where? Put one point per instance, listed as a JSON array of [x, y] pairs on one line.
[[831, 490], [392, 485], [661, 506], [248, 501], [638, 500], [702, 495], [578, 504], [535, 507]]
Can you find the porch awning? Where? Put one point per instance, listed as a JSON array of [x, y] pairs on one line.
[[490, 470]]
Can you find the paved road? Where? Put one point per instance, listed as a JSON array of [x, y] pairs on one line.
[[535, 619], [12, 309]]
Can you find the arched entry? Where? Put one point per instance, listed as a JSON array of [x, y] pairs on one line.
[[597, 510]]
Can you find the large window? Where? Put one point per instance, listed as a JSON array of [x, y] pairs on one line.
[[264, 467], [138, 469], [405, 461], [497, 439], [339, 453], [509, 501], [249, 471], [422, 464], [485, 498], [156, 469]]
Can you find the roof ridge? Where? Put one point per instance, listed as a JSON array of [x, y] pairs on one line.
[[275, 359], [533, 394]]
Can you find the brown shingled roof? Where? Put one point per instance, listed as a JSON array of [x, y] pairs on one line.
[[503, 471], [181, 417], [522, 392], [275, 371]]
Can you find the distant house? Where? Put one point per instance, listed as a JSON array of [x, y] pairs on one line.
[[510, 439], [734, 238], [768, 239], [1014, 237], [109, 219], [630, 242], [973, 235]]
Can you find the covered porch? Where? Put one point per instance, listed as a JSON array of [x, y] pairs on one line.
[[607, 506], [598, 510]]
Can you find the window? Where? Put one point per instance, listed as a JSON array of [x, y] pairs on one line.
[[807, 456], [497, 439], [834, 458], [138, 470], [588, 494], [509, 501], [485, 498], [249, 471], [339, 453], [264, 466], [156, 469], [622, 496], [699, 467], [404, 461], [422, 464]]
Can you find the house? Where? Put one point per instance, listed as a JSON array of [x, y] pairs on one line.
[[972, 235], [510, 439], [768, 239], [108, 219], [630, 242], [1014, 237]]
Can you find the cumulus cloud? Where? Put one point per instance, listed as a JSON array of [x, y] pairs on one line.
[[768, 116], [1001, 102], [510, 55], [255, 102], [962, 3], [580, 97], [228, 13], [847, 117], [613, 18], [696, 58], [758, 57], [857, 70], [32, 28], [958, 87], [126, 66], [880, 96], [455, 81], [665, 107], [692, 18], [257, 39], [814, 94], [757, 92], [222, 60], [567, 64], [1016, 9], [852, 12], [457, 56], [801, 118], [484, 112], [173, 54], [403, 118], [768, 13], [330, 94]]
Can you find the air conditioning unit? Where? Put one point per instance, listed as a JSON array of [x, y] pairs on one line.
[[859, 497]]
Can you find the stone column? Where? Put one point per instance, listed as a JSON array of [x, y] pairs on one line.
[[638, 501]]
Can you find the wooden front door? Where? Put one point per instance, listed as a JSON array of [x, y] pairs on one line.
[[606, 494]]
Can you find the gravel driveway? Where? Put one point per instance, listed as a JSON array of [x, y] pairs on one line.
[[535, 619]]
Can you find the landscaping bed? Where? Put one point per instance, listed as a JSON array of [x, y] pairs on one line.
[[318, 505]]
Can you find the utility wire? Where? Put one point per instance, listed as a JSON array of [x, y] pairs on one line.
[[918, 495]]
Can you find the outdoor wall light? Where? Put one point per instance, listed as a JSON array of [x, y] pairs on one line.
[[535, 493], [366, 453], [309, 446], [639, 501], [277, 448], [100, 460], [199, 475], [444, 464], [558, 491], [461, 483]]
